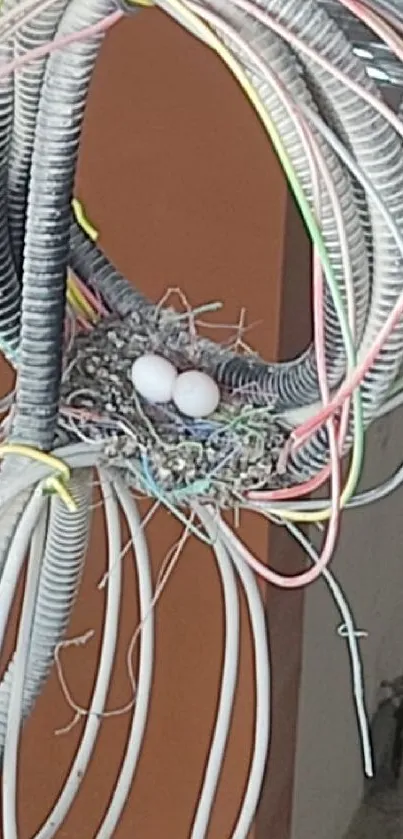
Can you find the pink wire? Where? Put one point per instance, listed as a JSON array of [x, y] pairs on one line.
[[300, 46], [312, 153], [266, 573], [91, 297], [378, 26], [335, 470], [60, 43], [290, 493], [308, 428], [313, 157], [15, 14], [311, 575], [16, 18]]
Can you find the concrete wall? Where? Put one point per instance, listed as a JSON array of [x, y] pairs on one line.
[[369, 565]]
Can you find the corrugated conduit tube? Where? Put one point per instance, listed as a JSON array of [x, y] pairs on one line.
[[47, 234], [379, 152], [295, 383], [62, 565]]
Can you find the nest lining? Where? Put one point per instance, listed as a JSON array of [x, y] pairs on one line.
[[236, 449]]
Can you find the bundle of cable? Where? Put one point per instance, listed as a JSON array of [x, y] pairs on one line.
[[107, 380]]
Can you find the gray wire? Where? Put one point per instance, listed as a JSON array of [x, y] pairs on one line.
[[109, 640], [146, 664], [263, 690], [361, 499], [16, 557], [27, 88], [15, 708], [228, 680], [352, 640], [62, 560], [10, 315]]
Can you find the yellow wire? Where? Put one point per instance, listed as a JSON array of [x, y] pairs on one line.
[[55, 483], [83, 221], [74, 296], [217, 46], [78, 301], [312, 517], [72, 293]]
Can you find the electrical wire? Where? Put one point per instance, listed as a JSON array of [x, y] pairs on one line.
[[352, 640], [228, 682], [146, 664], [263, 691], [382, 109], [361, 499], [87, 744], [316, 161], [370, 353], [15, 562], [11, 751]]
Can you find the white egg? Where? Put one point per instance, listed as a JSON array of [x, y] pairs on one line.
[[195, 394], [154, 378]]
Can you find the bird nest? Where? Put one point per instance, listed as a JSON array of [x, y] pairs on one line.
[[237, 449]]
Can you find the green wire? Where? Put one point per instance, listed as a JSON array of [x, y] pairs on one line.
[[208, 37], [316, 236]]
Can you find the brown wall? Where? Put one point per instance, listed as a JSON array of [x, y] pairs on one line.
[[177, 174]]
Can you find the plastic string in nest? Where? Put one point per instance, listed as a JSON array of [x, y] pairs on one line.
[[236, 449]]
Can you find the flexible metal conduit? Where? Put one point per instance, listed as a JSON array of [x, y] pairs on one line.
[[385, 168], [62, 565], [27, 87], [57, 135], [378, 151], [9, 287], [296, 382]]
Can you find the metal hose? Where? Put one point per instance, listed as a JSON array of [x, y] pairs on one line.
[[296, 382], [57, 135], [293, 384], [89, 262], [62, 565], [9, 287], [27, 88], [381, 158]]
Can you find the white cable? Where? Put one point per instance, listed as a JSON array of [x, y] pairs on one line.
[[352, 640], [109, 641], [14, 717], [146, 663], [16, 556], [228, 680], [263, 688]]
